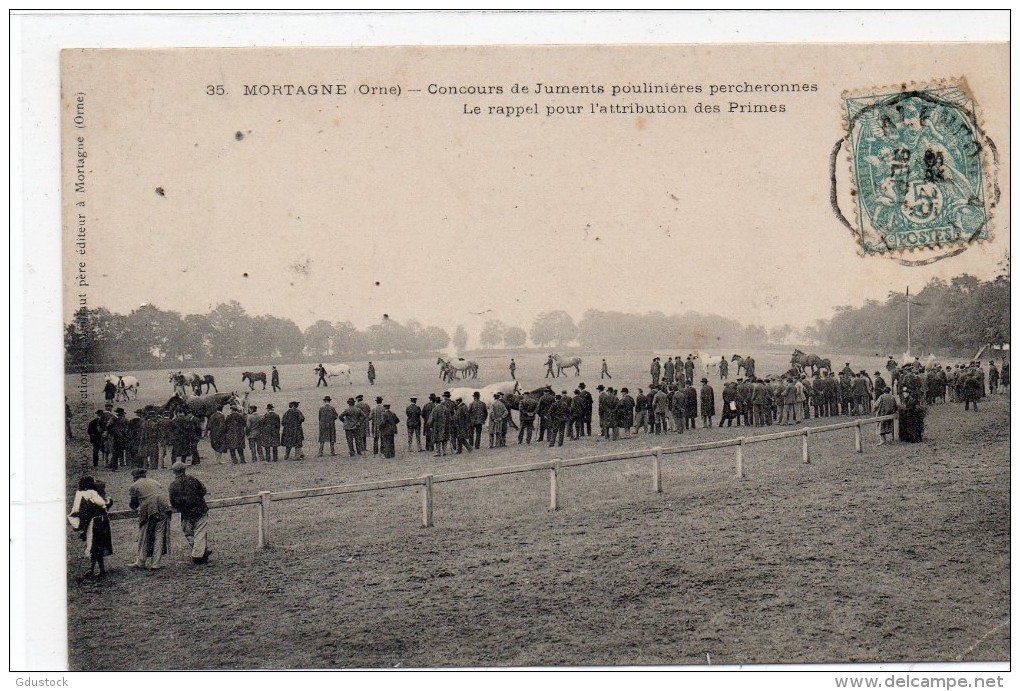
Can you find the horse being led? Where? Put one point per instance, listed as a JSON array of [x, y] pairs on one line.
[[252, 377], [125, 385], [329, 371], [563, 363]]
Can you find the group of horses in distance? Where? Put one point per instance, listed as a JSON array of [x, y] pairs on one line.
[[461, 369], [197, 382]]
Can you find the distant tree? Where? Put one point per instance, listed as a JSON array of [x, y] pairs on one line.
[[553, 327], [231, 334], [492, 333], [433, 338], [515, 337], [779, 334], [755, 335], [460, 338], [319, 338], [347, 339]]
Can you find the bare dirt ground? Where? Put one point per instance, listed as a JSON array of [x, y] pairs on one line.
[[897, 554]]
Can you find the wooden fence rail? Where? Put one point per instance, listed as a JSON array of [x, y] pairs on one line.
[[264, 499]]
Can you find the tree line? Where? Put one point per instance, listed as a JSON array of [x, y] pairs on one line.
[[150, 335], [958, 315]]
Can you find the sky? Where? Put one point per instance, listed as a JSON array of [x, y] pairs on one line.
[[348, 208]]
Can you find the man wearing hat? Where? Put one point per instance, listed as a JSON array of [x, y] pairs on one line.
[[269, 434], [377, 415], [148, 498], [426, 415], [233, 434], [327, 426], [117, 430], [253, 429], [388, 432], [463, 433], [545, 402], [498, 415], [293, 436], [478, 413], [559, 415], [879, 384], [689, 368], [351, 418], [187, 495], [529, 410], [439, 422], [603, 413], [660, 410], [413, 416], [95, 432], [274, 379], [655, 370], [371, 373], [148, 442], [575, 428], [181, 432], [363, 425], [589, 407]]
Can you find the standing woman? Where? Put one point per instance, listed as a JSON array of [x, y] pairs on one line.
[[89, 517]]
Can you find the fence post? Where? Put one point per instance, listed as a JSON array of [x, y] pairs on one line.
[[896, 427], [554, 472], [264, 499], [805, 454], [426, 503], [657, 470], [857, 437], [740, 458]]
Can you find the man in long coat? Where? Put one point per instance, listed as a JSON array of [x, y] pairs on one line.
[[589, 406], [377, 415], [707, 403], [439, 424], [464, 427], [252, 426], [426, 414], [478, 413], [413, 415], [181, 431], [498, 416], [352, 417], [327, 426], [233, 435], [215, 425], [293, 436], [269, 434], [388, 432]]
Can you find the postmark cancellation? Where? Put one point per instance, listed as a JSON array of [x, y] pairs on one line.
[[921, 169]]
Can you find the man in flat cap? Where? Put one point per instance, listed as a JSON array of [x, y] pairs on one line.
[[187, 495]]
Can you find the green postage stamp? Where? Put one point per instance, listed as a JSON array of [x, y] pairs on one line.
[[922, 171]]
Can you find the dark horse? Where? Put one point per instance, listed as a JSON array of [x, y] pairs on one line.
[[201, 408], [252, 377], [197, 381]]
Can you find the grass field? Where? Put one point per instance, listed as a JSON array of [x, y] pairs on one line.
[[897, 554]]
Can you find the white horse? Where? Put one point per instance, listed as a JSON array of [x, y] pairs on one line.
[[125, 384], [340, 370], [710, 364], [486, 394], [563, 363]]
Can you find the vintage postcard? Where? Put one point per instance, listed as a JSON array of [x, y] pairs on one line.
[[536, 356]]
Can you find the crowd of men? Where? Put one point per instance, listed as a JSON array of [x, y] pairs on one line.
[[673, 403]]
